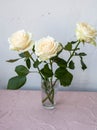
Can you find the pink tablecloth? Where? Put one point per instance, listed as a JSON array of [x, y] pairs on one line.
[[22, 110]]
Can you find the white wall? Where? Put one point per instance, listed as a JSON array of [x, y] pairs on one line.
[[56, 18]]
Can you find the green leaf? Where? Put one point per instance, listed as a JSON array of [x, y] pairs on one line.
[[68, 46], [71, 65], [64, 76], [83, 64], [33, 49], [21, 70], [80, 54], [25, 54], [36, 63], [16, 82], [28, 63], [73, 42], [46, 71], [60, 62], [12, 60]]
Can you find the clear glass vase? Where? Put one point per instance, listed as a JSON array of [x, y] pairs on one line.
[[49, 89]]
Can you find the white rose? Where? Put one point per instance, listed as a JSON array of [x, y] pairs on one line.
[[46, 48], [21, 41], [86, 33]]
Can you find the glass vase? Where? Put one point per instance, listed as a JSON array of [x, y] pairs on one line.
[[49, 89]]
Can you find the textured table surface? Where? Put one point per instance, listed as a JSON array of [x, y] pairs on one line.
[[22, 110]]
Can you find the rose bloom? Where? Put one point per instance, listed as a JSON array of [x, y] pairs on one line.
[[21, 41], [46, 48], [86, 33]]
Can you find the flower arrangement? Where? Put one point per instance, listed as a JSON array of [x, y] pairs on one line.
[[44, 53]]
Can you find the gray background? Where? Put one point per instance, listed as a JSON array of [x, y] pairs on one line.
[[56, 18]]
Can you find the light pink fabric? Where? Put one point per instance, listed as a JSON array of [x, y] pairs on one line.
[[22, 110]]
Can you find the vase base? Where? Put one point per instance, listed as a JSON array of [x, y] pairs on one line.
[[48, 107]]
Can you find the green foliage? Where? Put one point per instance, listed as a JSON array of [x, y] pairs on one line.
[[36, 63], [71, 65], [25, 54], [16, 82], [68, 47], [64, 76], [12, 60], [82, 63], [60, 62], [46, 71], [28, 63], [21, 70], [73, 42], [61, 73], [80, 54]]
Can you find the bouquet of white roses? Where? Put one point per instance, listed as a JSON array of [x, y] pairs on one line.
[[47, 51]]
